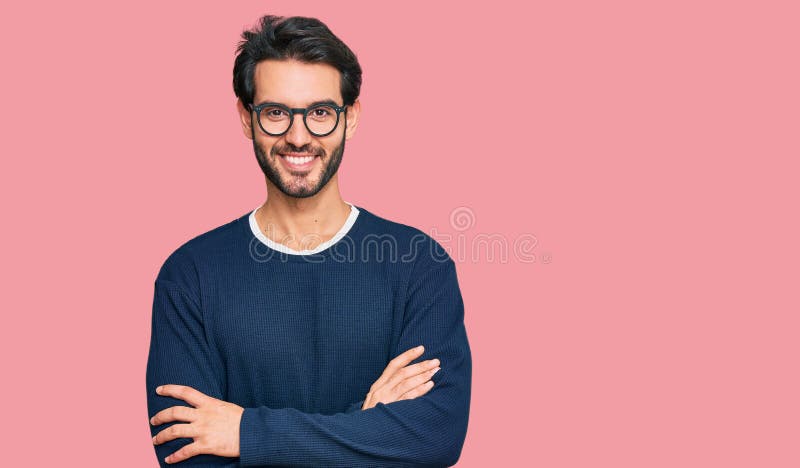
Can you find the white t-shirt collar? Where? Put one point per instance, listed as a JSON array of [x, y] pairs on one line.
[[348, 223]]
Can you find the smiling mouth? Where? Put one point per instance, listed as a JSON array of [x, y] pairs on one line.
[[298, 161]]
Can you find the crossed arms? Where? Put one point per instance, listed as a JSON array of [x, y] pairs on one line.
[[423, 430]]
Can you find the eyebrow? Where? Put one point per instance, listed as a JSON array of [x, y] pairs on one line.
[[323, 101]]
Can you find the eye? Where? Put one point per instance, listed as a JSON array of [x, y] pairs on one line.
[[322, 113], [274, 113]]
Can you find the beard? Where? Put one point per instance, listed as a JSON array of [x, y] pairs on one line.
[[298, 184]]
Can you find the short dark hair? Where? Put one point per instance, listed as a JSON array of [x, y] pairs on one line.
[[304, 39]]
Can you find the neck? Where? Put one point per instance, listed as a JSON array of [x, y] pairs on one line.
[[302, 223]]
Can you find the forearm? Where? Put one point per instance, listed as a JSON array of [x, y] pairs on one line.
[[426, 431]]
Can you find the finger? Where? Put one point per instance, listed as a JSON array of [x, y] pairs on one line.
[[413, 382], [423, 366], [182, 392], [418, 391], [187, 451], [174, 413], [176, 431], [367, 402], [411, 371], [397, 363]]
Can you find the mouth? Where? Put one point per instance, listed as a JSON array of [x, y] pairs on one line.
[[298, 161]]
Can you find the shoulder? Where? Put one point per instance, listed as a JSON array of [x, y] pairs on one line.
[[411, 244], [182, 264]]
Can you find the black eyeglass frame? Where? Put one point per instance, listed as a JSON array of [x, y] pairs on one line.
[[298, 110]]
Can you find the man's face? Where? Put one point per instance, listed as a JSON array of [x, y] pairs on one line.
[[296, 84]]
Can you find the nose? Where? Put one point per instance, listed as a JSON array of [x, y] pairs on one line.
[[298, 133]]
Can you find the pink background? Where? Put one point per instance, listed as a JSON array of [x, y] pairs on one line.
[[650, 150]]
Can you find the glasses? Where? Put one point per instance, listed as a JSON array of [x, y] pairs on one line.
[[320, 119]]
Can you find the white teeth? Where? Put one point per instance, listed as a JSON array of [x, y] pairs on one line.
[[296, 160]]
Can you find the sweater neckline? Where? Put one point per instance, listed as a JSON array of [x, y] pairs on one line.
[[286, 253]]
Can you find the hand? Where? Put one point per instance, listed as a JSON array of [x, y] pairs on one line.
[[399, 382], [213, 424]]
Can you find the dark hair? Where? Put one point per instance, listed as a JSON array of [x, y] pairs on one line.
[[299, 38]]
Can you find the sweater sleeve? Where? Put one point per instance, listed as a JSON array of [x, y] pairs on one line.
[[180, 354], [356, 406], [425, 431]]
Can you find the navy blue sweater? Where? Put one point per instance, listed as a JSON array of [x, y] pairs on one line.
[[297, 340]]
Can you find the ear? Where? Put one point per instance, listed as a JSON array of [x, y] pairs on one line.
[[247, 119], [353, 113]]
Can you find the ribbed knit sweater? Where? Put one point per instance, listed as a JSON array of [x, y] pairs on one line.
[[298, 339]]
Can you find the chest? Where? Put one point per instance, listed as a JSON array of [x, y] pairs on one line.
[[307, 329]]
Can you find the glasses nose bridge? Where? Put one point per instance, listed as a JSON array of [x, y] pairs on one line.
[[297, 110], [294, 111]]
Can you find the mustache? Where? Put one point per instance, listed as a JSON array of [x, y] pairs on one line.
[[289, 148]]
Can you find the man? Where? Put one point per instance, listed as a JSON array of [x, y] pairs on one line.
[[269, 331]]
